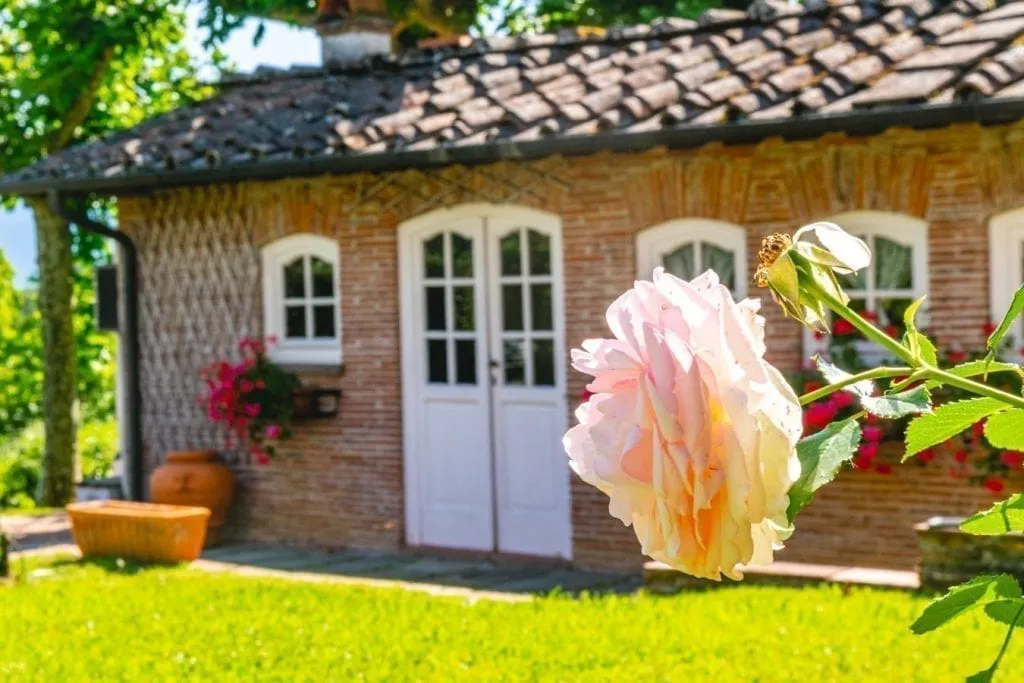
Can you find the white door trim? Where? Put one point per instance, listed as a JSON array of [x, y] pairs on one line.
[[408, 232], [653, 242]]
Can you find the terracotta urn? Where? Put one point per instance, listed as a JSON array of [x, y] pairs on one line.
[[194, 478]]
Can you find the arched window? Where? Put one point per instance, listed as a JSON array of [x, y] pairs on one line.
[[897, 276], [1006, 267], [301, 299], [688, 247]]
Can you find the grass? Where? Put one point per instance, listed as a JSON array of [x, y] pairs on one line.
[[29, 512], [76, 622]]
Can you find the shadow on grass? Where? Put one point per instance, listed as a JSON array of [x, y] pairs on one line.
[[111, 565]]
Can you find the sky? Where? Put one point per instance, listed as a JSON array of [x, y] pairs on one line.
[[281, 46]]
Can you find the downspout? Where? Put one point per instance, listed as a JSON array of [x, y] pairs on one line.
[[129, 335]]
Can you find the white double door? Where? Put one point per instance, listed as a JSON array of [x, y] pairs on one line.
[[483, 382]]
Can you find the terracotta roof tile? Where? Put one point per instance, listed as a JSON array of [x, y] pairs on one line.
[[778, 60]]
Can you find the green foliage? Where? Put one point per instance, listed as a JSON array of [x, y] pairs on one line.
[[995, 340], [21, 458], [919, 344], [821, 457], [947, 421], [914, 401], [1006, 430], [1002, 518], [188, 625], [553, 14], [978, 592]]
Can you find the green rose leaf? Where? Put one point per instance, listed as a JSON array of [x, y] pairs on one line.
[[947, 421], [1016, 306], [914, 401], [1006, 430], [1006, 612], [977, 592], [833, 375], [1002, 518], [919, 344], [821, 456]]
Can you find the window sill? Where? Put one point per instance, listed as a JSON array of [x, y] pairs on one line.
[[314, 369]]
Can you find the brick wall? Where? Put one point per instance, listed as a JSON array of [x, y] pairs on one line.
[[343, 482]]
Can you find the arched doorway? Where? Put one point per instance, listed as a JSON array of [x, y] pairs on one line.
[[483, 379]]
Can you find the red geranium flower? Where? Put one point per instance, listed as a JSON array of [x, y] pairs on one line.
[[862, 463], [978, 429], [842, 399], [957, 356], [843, 328], [926, 455], [873, 433], [1012, 459], [988, 328], [883, 468], [961, 456], [892, 331], [870, 316], [994, 484], [812, 385]]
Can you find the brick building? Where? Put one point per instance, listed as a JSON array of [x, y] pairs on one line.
[[445, 224]]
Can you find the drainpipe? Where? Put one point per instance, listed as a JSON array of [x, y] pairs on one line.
[[129, 335]]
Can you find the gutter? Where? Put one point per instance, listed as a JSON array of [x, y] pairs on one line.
[[129, 335], [856, 123]]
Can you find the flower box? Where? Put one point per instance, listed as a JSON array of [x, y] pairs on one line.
[[143, 532], [950, 556], [316, 403]]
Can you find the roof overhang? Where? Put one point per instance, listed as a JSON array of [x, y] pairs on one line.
[[856, 123]]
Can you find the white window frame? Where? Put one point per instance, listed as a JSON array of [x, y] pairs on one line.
[[669, 236], [1006, 268], [897, 227], [275, 256]]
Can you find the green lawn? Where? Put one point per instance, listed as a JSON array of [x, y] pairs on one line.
[[79, 623]]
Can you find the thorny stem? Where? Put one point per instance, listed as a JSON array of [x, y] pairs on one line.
[[874, 373], [1006, 640], [921, 369]]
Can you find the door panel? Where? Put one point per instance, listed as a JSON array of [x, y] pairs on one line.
[[453, 413], [484, 383], [528, 397]]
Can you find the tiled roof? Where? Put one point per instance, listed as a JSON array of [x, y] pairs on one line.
[[776, 61]]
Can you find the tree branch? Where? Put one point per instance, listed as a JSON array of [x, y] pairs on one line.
[[79, 111]]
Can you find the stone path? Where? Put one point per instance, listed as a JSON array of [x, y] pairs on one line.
[[661, 578], [34, 533], [435, 575]]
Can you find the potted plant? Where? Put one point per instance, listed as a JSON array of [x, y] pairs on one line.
[[253, 399]]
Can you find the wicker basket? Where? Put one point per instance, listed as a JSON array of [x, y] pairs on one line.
[[139, 531]]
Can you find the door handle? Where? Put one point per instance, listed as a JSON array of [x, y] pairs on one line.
[[494, 365]]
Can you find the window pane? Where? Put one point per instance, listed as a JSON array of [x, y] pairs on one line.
[[295, 322], [295, 279], [463, 299], [543, 363], [323, 321], [512, 307], [433, 256], [515, 363], [462, 256], [435, 308], [893, 265], [540, 301], [510, 249], [465, 361], [722, 261], [890, 312], [681, 262], [540, 253], [323, 277], [437, 361]]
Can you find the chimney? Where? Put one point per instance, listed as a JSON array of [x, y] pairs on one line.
[[351, 30]]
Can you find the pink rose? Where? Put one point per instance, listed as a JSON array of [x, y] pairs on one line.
[[690, 433]]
